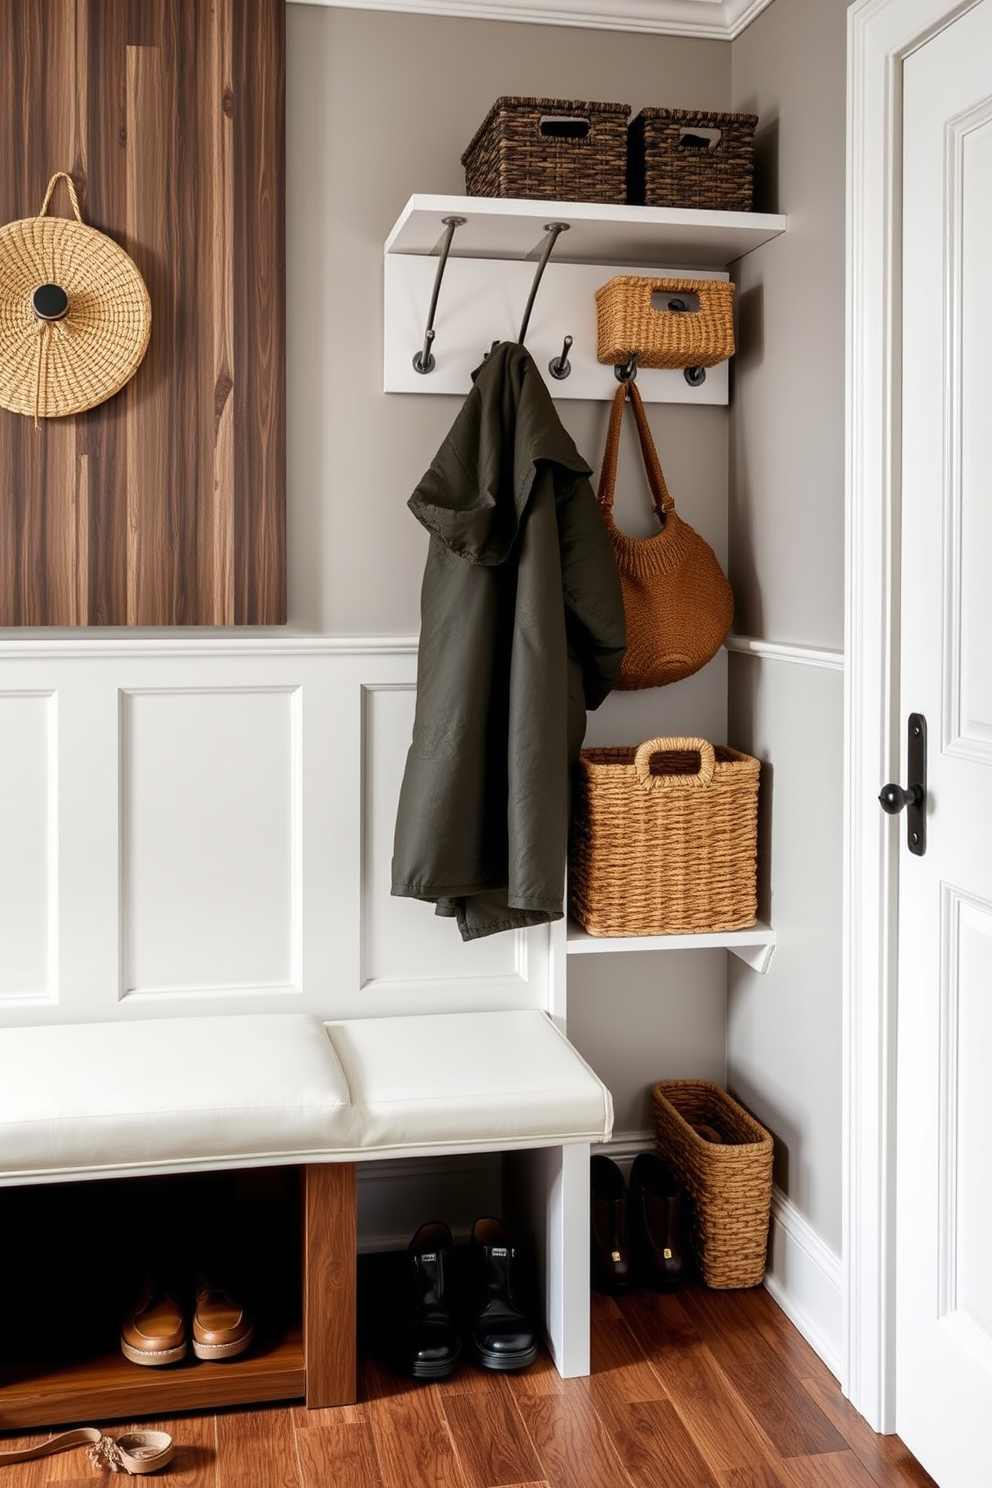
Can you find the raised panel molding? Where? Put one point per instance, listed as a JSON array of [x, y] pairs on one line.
[[965, 1288], [720, 20], [28, 848], [409, 954], [968, 439], [211, 834]]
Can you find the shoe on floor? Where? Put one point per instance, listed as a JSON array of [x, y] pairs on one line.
[[222, 1323], [610, 1248], [658, 1216], [155, 1331], [429, 1345], [503, 1337]]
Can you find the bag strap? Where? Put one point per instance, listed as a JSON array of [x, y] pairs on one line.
[[137, 1452], [663, 502]]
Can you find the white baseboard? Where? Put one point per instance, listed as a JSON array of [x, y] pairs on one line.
[[804, 1277]]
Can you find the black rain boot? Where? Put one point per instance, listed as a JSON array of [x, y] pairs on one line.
[[429, 1344], [657, 1223], [502, 1336], [610, 1252]]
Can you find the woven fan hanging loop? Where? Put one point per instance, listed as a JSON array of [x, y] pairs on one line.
[[62, 176], [75, 316]]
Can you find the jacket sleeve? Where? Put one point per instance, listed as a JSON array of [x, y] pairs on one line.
[[594, 616]]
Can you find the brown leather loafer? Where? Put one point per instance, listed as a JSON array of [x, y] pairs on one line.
[[155, 1332], [222, 1324]]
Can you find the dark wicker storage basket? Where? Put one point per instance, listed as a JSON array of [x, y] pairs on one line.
[[627, 321], [550, 149], [727, 1174], [664, 839], [672, 161]]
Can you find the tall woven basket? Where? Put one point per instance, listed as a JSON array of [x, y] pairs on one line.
[[664, 838], [723, 1159]]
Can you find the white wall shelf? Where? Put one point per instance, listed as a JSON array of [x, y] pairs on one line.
[[490, 270], [598, 233], [755, 945]]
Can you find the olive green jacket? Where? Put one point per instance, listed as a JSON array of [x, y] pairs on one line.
[[522, 630]]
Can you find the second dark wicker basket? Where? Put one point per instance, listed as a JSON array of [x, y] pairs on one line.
[[677, 158]]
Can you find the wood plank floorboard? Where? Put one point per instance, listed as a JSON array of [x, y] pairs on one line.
[[697, 1389]]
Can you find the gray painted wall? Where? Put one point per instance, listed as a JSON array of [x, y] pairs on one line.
[[787, 568]]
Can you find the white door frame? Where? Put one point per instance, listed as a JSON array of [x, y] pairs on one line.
[[881, 33]]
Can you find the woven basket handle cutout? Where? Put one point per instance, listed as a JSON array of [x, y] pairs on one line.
[[61, 176], [663, 502], [699, 780]]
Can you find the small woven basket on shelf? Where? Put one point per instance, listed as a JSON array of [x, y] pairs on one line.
[[727, 1174], [677, 158], [549, 149], [664, 839], [627, 320]]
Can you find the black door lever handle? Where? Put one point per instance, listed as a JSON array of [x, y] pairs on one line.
[[894, 798]]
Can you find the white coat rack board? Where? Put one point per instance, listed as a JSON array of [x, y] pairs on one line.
[[475, 262]]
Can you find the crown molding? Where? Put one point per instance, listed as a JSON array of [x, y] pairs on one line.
[[717, 20]]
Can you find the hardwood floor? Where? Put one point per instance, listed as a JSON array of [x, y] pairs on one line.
[[697, 1390]]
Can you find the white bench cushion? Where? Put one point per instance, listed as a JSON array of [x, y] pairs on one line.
[[104, 1098], [486, 1081], [92, 1100]]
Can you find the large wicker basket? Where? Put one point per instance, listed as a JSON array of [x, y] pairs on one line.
[[550, 149], [627, 320], [664, 838], [723, 1158], [677, 158]]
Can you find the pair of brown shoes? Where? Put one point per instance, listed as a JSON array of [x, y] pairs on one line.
[[155, 1331]]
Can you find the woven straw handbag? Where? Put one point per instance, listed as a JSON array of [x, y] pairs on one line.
[[677, 601], [75, 316]]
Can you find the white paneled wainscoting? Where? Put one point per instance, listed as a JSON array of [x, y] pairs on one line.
[[204, 825]]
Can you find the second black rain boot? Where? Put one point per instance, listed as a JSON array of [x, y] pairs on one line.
[[503, 1337], [657, 1223], [610, 1251]]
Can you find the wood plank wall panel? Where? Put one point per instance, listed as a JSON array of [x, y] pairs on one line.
[[165, 505]]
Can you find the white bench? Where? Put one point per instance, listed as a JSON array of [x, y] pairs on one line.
[[180, 1095]]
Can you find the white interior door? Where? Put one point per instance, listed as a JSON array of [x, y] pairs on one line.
[[944, 1128]]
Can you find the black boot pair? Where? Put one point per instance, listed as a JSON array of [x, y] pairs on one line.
[[502, 1337], [638, 1230]]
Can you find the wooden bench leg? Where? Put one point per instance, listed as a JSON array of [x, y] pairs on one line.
[[329, 1284]]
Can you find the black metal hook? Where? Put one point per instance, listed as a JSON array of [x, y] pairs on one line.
[[694, 376], [553, 229], [627, 371], [560, 366], [423, 361]]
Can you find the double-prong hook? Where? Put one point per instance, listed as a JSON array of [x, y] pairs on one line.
[[423, 361]]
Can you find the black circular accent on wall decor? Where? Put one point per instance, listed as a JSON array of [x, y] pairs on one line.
[[50, 302]]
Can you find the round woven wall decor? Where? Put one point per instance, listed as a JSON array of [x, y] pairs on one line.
[[75, 316]]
